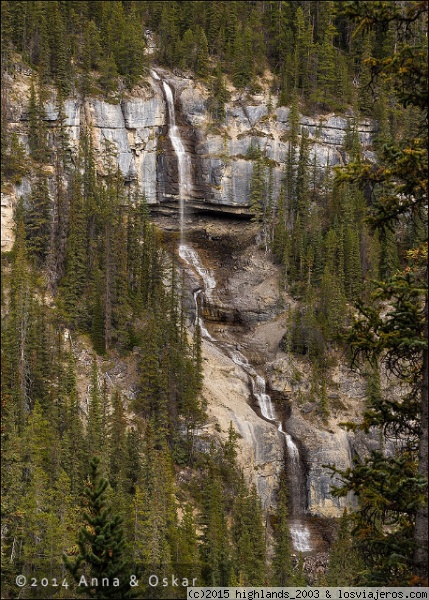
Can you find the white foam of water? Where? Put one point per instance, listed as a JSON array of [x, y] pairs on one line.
[[189, 255], [199, 321], [242, 362], [183, 159], [263, 398], [292, 448], [300, 535], [155, 75]]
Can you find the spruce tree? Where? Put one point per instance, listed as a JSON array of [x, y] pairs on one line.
[[36, 126], [344, 561], [76, 266], [215, 547], [248, 538], [117, 441], [17, 324], [396, 337], [201, 56], [38, 219], [282, 575], [188, 544], [96, 426], [257, 197], [101, 544]]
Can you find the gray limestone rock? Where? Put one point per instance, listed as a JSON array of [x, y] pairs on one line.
[[194, 106], [282, 114], [134, 133], [255, 113], [141, 113], [322, 448]]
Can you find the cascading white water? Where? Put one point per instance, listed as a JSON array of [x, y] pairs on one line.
[[258, 385], [300, 535], [299, 532], [183, 159], [198, 320], [189, 255]]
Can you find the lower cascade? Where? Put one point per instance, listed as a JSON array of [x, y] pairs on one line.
[[300, 533]]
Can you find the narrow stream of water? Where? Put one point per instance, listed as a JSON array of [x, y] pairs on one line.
[[183, 159], [300, 533]]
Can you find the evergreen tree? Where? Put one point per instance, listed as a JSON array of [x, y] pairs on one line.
[[243, 70], [187, 49], [108, 74], [248, 539], [117, 441], [188, 543], [73, 450], [215, 552], [17, 325], [76, 259], [326, 74], [59, 57], [36, 126], [101, 544], [344, 561], [98, 319], [155, 524], [130, 53], [96, 430], [282, 561], [90, 55], [38, 219], [396, 337], [201, 56], [168, 32]]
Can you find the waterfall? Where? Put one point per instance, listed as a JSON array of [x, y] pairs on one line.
[[198, 320], [299, 532], [189, 255], [183, 159]]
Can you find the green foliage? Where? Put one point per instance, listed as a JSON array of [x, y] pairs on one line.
[[282, 568], [345, 564], [219, 96], [13, 157], [38, 219], [101, 544], [309, 48], [248, 539], [36, 126], [391, 524], [215, 552], [111, 280]]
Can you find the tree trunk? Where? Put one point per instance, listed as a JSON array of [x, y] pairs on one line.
[[421, 531]]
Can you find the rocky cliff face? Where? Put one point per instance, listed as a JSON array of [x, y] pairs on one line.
[[248, 308], [255, 322], [133, 134]]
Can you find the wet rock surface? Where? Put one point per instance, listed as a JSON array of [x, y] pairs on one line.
[[260, 448], [247, 283]]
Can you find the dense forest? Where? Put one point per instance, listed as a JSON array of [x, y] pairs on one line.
[[97, 484]]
